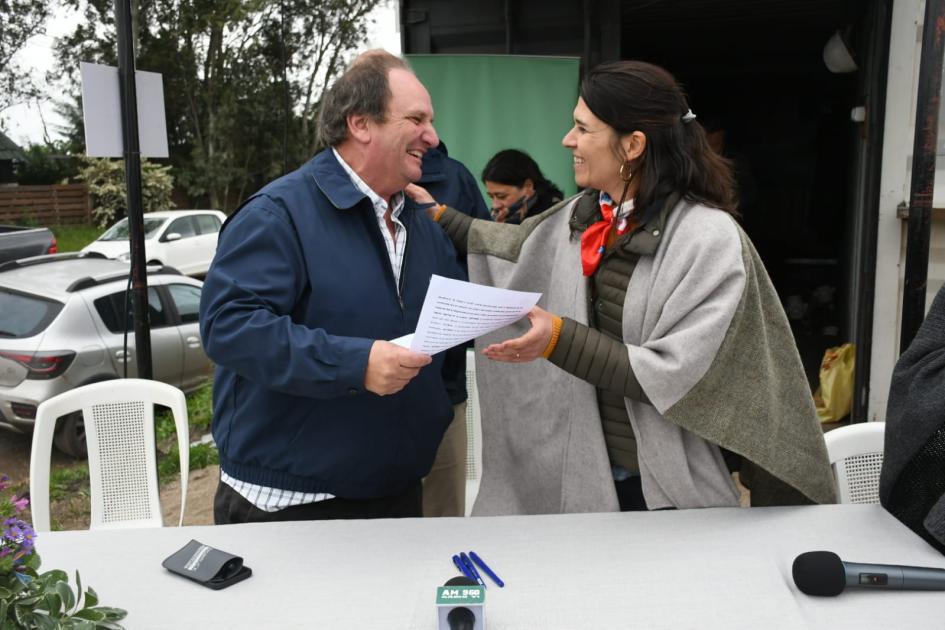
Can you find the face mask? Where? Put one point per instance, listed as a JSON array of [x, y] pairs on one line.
[[514, 215]]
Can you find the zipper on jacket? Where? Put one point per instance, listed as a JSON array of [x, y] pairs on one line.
[[397, 282], [402, 282]]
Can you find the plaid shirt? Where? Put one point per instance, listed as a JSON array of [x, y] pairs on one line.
[[272, 499], [275, 499], [395, 244]]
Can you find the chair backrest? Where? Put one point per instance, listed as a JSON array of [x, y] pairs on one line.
[[473, 421], [856, 455], [473, 433], [119, 431]]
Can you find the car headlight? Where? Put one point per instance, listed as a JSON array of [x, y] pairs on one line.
[[126, 257]]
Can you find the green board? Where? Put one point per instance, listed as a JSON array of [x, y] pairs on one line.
[[486, 103]]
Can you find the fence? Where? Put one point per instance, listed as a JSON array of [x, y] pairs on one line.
[[63, 204]]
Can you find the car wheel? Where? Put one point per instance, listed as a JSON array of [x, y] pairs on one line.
[[70, 435]]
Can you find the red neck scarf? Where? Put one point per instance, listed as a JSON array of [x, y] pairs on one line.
[[594, 238]]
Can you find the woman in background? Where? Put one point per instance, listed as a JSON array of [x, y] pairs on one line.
[[660, 357], [516, 187]]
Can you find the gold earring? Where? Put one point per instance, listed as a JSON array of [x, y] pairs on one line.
[[626, 173]]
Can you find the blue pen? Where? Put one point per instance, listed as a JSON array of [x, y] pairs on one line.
[[472, 568], [482, 565], [462, 567]]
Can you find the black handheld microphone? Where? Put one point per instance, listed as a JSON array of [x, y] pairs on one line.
[[460, 617], [823, 573]]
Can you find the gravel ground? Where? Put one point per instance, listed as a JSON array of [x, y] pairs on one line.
[[201, 485], [15, 455]]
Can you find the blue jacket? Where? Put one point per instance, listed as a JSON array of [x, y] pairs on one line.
[[450, 182], [299, 289]]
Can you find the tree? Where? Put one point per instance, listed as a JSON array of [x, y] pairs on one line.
[[222, 67], [105, 180], [20, 20], [46, 164], [328, 29]]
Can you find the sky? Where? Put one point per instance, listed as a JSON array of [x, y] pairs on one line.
[[24, 124]]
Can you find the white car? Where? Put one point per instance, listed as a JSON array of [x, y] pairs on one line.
[[183, 239]]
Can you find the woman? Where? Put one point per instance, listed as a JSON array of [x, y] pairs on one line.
[[516, 187], [660, 352]]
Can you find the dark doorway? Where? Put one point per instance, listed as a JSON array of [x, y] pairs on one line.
[[757, 80]]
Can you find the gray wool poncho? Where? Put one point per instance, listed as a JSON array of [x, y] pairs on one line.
[[707, 340]]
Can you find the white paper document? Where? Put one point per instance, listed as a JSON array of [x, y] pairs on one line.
[[455, 311]]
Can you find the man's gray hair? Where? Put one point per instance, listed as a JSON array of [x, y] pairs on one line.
[[363, 89]]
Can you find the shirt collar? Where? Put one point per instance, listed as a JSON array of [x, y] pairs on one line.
[[379, 203]]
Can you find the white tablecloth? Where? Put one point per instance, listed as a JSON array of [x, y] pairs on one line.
[[717, 568]]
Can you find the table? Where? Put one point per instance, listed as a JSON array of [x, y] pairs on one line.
[[713, 568]]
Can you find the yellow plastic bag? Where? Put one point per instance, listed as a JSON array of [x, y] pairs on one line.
[[834, 397]]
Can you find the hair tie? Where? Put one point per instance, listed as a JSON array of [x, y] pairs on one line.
[[688, 117]]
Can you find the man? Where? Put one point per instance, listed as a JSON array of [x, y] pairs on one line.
[[444, 489], [315, 415]]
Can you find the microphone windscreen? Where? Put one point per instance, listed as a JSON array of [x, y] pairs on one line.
[[461, 619], [819, 573]]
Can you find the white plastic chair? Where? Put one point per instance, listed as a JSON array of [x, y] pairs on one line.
[[856, 455], [119, 431], [473, 433]]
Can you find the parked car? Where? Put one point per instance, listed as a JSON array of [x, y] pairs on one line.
[[61, 326], [22, 242], [183, 239]]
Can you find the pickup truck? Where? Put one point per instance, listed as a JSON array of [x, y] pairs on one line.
[[23, 242]]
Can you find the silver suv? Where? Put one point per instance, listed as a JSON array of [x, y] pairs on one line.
[[61, 327]]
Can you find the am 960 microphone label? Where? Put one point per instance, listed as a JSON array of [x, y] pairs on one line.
[[460, 595]]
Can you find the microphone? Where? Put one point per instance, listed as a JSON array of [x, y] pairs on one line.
[[823, 573], [458, 602]]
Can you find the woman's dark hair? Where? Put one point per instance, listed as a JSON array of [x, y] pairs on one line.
[[512, 167], [636, 96]]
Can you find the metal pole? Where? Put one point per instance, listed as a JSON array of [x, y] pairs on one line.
[[285, 92], [923, 172], [129, 128], [507, 12], [879, 18]]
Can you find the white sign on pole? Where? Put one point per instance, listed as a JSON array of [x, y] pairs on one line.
[[101, 112]]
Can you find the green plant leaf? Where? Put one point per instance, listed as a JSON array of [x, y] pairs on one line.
[[5, 594], [91, 598], [23, 614], [91, 614], [53, 604], [113, 614], [54, 576], [78, 583], [4, 606], [45, 623], [68, 597], [32, 565]]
